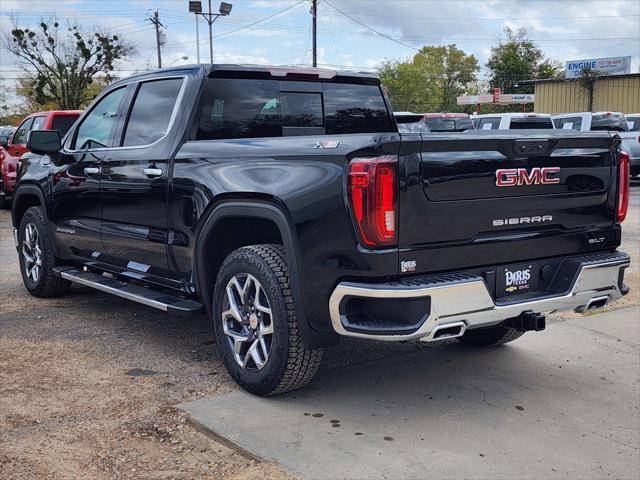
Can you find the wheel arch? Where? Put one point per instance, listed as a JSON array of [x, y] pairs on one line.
[[259, 213], [25, 197]]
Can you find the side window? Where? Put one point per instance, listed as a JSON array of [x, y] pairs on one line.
[[151, 112], [355, 109], [20, 136], [38, 123], [239, 108], [96, 129], [489, 123]]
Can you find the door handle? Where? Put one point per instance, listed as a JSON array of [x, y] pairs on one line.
[[91, 170], [152, 172]]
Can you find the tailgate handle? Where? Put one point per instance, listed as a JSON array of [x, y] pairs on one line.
[[531, 147]]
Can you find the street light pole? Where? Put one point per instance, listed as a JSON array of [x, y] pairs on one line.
[[197, 39], [195, 6]]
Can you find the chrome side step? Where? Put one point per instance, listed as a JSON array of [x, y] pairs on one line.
[[151, 298]]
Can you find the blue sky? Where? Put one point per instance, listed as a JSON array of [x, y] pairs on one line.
[[564, 29]]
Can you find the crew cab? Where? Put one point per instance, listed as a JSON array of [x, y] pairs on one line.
[[513, 121], [286, 205], [15, 147], [607, 121]]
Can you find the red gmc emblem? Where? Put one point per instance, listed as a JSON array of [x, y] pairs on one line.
[[511, 177]]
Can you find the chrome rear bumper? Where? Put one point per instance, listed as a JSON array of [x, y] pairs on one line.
[[466, 299]]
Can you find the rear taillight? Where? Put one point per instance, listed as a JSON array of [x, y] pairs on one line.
[[373, 196], [623, 187]]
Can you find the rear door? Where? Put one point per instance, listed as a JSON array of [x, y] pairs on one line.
[[481, 198]]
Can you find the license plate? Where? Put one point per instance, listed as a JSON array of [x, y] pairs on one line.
[[516, 279]]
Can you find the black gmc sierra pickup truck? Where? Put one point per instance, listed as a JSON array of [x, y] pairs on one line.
[[285, 204]]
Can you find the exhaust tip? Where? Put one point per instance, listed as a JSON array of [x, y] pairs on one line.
[[597, 303], [594, 304], [448, 330]]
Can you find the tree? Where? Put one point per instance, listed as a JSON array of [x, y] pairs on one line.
[[62, 63], [431, 80], [517, 58]]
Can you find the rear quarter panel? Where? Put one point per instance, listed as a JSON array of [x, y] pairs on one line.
[[305, 182]]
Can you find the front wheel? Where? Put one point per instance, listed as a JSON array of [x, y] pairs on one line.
[[37, 256], [255, 323]]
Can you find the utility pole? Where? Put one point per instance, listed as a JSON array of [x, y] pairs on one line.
[[155, 20], [314, 13]]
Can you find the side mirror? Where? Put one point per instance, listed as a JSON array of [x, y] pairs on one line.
[[4, 141], [44, 142]]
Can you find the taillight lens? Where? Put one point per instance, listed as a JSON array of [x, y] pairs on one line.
[[623, 187], [373, 195]]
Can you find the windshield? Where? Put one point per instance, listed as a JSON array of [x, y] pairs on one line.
[[617, 123], [634, 123]]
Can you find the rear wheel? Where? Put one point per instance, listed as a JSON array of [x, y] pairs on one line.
[[255, 323], [484, 337], [37, 256]]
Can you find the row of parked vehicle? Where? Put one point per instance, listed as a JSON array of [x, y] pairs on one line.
[[626, 126], [13, 144], [13, 140]]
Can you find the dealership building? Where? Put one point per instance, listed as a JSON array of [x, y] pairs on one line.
[[617, 93]]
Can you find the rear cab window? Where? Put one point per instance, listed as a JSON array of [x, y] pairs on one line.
[[255, 108], [633, 123], [611, 122], [62, 123], [489, 123], [528, 123], [453, 124], [569, 123]]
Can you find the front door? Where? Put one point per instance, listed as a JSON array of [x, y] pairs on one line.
[[133, 185], [75, 211]]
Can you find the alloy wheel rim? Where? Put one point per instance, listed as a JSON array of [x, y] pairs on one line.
[[32, 252], [247, 322]]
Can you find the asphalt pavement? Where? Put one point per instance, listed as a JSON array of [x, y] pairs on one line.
[[562, 403]]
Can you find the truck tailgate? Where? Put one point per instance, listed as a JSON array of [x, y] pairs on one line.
[[482, 198]]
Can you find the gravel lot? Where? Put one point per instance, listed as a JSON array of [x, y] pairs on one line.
[[88, 382]]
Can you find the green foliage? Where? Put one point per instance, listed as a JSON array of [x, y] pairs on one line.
[[431, 80], [516, 58], [62, 63]]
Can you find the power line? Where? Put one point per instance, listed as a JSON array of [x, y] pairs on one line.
[[486, 19], [245, 26]]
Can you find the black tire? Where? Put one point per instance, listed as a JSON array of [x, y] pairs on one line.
[[484, 337], [289, 365], [46, 284]]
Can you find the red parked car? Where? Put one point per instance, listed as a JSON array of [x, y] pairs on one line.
[[10, 154]]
